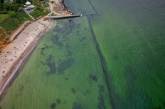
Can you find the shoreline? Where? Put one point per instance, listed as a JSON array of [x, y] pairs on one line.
[[23, 42], [14, 55]]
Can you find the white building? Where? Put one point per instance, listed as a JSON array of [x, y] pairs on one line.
[[28, 7]]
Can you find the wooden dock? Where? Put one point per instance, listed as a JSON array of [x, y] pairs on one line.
[[63, 17]]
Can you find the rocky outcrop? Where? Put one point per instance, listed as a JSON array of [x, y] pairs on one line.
[[57, 7]]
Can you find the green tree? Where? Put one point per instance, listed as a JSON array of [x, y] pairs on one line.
[[1, 1]]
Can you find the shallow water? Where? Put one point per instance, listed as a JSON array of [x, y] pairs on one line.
[[112, 57]]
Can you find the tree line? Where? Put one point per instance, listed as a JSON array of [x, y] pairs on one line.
[[10, 6], [14, 1]]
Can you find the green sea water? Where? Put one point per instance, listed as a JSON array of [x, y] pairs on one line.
[[111, 58]]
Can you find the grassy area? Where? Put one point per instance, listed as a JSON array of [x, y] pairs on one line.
[[13, 21], [3, 17], [39, 12]]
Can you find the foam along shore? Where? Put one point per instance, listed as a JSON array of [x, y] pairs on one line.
[[14, 55]]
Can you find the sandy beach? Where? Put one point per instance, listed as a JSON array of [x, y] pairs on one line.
[[14, 55]]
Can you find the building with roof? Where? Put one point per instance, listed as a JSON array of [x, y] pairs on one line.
[[28, 7]]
